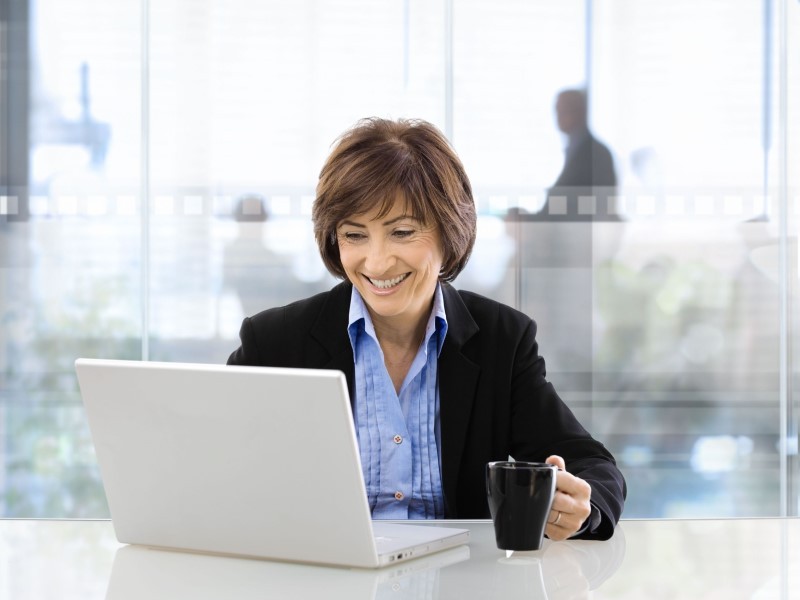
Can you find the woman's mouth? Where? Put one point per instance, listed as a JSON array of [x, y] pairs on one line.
[[385, 284]]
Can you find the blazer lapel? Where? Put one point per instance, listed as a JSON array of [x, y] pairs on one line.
[[458, 381], [330, 331]]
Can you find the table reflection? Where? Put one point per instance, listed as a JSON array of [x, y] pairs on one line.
[[140, 572], [682, 559], [560, 570]]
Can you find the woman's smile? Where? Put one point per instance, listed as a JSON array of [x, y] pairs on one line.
[[387, 284]]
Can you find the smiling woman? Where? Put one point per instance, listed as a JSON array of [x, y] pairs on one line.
[[394, 262], [442, 381], [376, 160]]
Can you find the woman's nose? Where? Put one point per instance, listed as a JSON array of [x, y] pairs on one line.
[[379, 257]]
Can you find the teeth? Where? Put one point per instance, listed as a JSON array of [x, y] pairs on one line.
[[387, 283]]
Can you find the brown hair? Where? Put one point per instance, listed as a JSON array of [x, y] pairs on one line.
[[377, 159]]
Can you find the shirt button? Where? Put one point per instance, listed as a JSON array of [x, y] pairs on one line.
[[398, 439], [398, 495]]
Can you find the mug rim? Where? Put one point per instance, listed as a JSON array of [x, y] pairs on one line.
[[520, 464]]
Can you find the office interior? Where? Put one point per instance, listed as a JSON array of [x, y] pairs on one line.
[[157, 169]]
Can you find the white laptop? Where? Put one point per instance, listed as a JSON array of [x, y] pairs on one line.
[[247, 461]]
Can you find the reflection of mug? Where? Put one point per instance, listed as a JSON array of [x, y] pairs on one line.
[[520, 496], [567, 570], [519, 576]]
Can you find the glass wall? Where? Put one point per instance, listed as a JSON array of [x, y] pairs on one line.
[[158, 163]]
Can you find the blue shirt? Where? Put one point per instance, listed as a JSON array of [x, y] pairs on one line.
[[398, 434]]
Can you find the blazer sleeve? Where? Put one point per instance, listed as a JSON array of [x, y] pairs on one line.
[[247, 353], [266, 341], [542, 425]]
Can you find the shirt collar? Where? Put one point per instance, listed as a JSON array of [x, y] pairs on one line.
[[358, 319], [437, 322], [438, 319]]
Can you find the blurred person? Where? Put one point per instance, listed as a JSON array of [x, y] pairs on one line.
[[588, 170], [258, 276], [442, 381], [561, 246]]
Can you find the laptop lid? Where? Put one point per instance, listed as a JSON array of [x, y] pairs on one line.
[[249, 461]]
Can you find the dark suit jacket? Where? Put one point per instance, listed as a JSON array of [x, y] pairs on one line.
[[588, 171], [494, 399]]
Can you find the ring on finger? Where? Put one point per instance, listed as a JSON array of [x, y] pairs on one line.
[[558, 518]]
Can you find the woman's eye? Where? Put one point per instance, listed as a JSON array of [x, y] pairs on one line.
[[403, 233], [353, 236]]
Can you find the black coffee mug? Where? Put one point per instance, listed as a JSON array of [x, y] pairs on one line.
[[520, 495]]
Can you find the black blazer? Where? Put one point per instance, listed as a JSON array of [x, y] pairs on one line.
[[494, 399]]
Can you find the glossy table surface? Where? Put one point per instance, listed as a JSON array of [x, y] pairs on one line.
[[726, 558]]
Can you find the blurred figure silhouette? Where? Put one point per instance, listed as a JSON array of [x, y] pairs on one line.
[[260, 277], [559, 248], [587, 181]]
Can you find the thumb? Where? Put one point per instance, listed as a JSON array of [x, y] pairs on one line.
[[557, 461]]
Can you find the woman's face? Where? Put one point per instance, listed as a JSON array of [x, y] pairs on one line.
[[393, 261]]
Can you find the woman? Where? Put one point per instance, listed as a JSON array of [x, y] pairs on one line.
[[442, 381]]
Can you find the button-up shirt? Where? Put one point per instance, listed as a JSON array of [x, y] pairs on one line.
[[398, 434]]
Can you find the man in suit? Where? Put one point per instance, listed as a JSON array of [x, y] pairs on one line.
[[587, 180], [442, 381], [577, 228]]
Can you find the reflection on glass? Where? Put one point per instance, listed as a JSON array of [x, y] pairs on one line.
[[662, 330], [140, 572], [560, 570], [570, 569]]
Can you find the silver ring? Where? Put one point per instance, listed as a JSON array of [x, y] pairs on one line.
[[558, 518]]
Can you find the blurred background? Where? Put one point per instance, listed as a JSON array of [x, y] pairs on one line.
[[158, 163]]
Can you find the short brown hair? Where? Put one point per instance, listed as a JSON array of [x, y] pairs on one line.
[[378, 158]]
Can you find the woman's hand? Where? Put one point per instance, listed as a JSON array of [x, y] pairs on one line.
[[571, 503]]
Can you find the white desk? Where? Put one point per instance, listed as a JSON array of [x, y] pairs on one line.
[[730, 559]]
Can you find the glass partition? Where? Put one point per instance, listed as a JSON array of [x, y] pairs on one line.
[[170, 152]]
